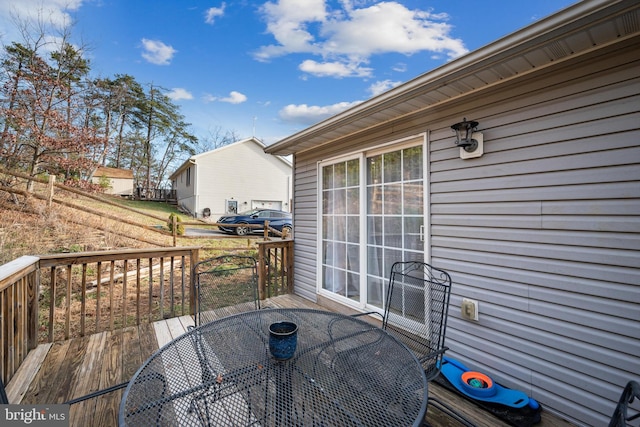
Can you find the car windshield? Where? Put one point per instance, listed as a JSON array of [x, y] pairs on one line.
[[249, 213]]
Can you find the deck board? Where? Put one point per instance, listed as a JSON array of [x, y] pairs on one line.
[[27, 372], [60, 371], [45, 380]]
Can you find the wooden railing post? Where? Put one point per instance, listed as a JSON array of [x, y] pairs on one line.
[[262, 272], [195, 257], [33, 289], [288, 265], [51, 187], [174, 228]]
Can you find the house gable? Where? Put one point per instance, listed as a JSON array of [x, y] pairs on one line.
[[240, 172]]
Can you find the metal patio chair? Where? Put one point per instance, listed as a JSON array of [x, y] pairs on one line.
[[621, 416], [415, 312], [224, 281]]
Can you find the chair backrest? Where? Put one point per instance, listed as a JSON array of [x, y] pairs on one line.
[[224, 281], [416, 307], [621, 416]]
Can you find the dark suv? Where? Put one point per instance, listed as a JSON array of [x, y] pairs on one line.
[[277, 219]]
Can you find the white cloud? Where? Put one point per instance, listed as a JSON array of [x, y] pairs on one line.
[[353, 34], [52, 14], [306, 115], [382, 86], [233, 98], [334, 69], [179, 93], [400, 67], [213, 12], [157, 52], [288, 22], [50, 11]]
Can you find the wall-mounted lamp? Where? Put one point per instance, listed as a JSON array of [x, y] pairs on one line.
[[469, 141]]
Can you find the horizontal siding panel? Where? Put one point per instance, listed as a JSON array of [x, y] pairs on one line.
[[569, 113], [614, 190], [499, 221], [517, 281], [629, 224], [489, 289], [528, 346], [611, 308], [556, 251], [602, 321], [528, 208], [577, 270], [606, 207], [585, 168], [627, 241]]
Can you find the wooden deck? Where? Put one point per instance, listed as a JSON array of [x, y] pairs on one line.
[[58, 372]]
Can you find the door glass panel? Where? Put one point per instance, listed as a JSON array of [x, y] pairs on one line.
[[341, 232], [395, 217]]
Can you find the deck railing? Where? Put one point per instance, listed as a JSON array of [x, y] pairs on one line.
[[18, 312], [113, 289], [61, 296], [275, 268]]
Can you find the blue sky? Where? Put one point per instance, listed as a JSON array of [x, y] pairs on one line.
[[271, 68]]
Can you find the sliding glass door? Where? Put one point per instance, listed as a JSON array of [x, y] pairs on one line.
[[372, 215], [395, 215]]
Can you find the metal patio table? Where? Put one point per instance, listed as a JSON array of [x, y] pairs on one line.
[[345, 372]]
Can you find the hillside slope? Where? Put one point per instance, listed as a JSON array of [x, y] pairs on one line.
[[73, 223]]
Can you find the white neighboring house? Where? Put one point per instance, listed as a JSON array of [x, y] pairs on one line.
[[231, 179], [120, 180]]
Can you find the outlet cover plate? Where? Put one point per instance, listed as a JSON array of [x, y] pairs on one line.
[[469, 309]]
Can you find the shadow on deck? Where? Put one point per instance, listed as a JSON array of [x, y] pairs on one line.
[[60, 371]]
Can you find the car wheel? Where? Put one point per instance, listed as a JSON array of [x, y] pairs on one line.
[[242, 230], [287, 229]]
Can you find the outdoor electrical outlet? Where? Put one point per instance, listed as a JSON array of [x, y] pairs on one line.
[[469, 309]]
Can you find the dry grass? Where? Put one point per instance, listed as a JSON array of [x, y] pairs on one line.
[[29, 227]]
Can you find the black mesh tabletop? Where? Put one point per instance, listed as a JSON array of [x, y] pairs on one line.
[[345, 372]]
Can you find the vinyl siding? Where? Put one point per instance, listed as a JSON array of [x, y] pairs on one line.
[[306, 228], [543, 230], [240, 171]]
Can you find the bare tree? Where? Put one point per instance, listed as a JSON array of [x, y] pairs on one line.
[[216, 138]]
